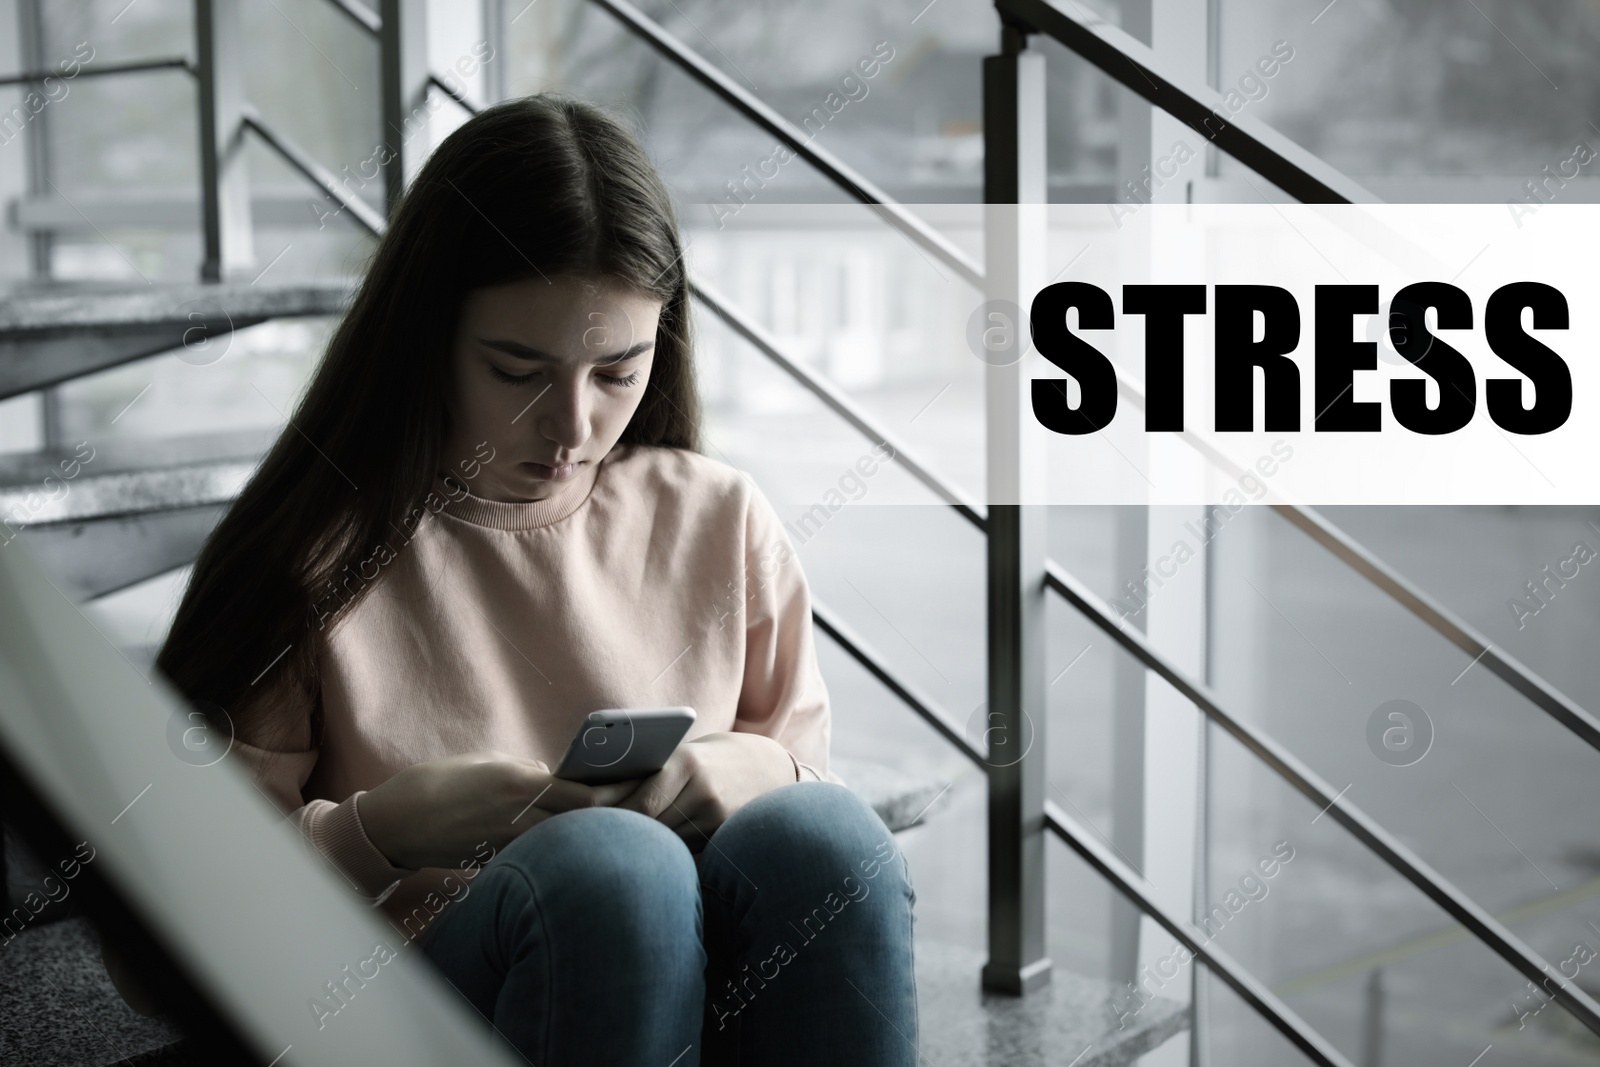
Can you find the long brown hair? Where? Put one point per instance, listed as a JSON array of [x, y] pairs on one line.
[[536, 187]]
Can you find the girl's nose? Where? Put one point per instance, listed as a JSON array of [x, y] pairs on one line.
[[565, 419]]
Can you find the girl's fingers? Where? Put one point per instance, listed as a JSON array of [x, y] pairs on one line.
[[615, 792], [557, 794], [655, 796], [656, 792]]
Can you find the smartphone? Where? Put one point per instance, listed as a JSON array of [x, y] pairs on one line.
[[617, 744]]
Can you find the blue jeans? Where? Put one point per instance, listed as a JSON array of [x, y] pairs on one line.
[[598, 937]]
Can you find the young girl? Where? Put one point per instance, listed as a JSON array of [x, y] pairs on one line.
[[489, 517]]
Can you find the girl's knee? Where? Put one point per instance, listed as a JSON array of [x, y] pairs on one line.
[[818, 826], [592, 888], [826, 811], [607, 855]]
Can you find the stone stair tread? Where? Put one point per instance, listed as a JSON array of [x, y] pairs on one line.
[[902, 800], [58, 1007], [76, 307], [131, 476], [1068, 1022]]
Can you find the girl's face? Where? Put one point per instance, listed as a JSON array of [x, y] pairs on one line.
[[549, 373]]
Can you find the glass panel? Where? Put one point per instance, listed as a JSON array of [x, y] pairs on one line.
[[1488, 790], [1420, 87]]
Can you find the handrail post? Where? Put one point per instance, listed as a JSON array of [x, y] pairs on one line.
[[403, 61], [494, 35], [30, 34], [1130, 555], [1015, 221], [41, 250], [224, 183]]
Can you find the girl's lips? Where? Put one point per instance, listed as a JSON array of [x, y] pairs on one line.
[[554, 474]]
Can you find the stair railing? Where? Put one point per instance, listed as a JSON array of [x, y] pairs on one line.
[[1311, 180]]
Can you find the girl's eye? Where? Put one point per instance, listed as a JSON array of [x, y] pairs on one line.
[[513, 379], [519, 379]]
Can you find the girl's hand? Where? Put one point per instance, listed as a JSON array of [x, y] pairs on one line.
[[436, 813], [708, 779]]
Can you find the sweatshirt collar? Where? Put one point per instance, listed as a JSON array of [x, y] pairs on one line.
[[521, 514]]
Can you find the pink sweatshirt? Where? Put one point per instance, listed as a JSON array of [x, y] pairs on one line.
[[660, 577]]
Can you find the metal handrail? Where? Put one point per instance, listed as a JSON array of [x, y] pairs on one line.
[[830, 395], [1445, 622], [360, 14], [1485, 927], [1397, 856], [367, 216], [1310, 180], [1129, 61], [1266, 1003], [835, 627], [1098, 856], [436, 82], [757, 111], [1408, 595], [135, 67]]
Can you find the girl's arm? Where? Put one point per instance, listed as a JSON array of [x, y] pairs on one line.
[[278, 766], [783, 693], [437, 813], [279, 757], [441, 812]]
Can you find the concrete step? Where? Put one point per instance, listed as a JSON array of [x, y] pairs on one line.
[[51, 334], [115, 478], [104, 516], [57, 1007], [1069, 1023], [901, 800]]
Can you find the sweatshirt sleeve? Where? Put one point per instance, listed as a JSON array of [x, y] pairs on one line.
[[783, 693], [334, 830]]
